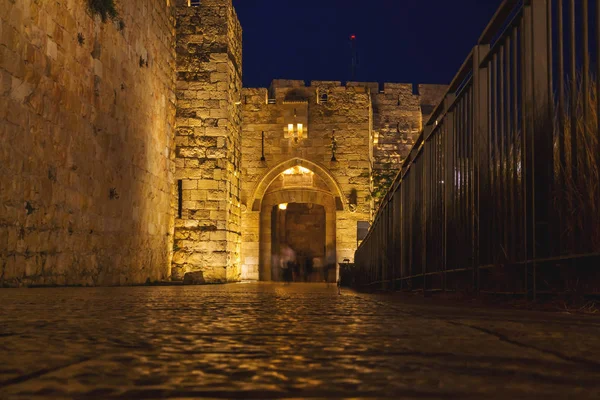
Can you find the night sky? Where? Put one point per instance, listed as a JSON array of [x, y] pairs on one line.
[[407, 41]]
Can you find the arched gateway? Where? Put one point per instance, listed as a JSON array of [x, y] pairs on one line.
[[298, 201]]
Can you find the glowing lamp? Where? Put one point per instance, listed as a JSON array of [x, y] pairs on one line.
[[283, 206]]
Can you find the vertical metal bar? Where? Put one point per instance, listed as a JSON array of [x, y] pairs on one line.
[[455, 183], [530, 145], [494, 156], [523, 159], [428, 217], [509, 143], [465, 177], [461, 177], [459, 186], [597, 159], [436, 186], [396, 232], [441, 204], [448, 186], [481, 172], [392, 240], [562, 166], [585, 168], [515, 144], [538, 139], [434, 215], [555, 224], [411, 231], [444, 196], [436, 234], [586, 61], [573, 110], [464, 187], [422, 192], [542, 151], [561, 83], [470, 197], [460, 110], [549, 32], [401, 232], [501, 175], [507, 146]]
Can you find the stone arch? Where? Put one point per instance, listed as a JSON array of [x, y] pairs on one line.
[[269, 177]]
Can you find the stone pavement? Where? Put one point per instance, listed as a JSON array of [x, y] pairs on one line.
[[275, 341]]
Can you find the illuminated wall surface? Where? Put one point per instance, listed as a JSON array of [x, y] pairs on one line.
[[87, 113], [130, 152], [208, 129]]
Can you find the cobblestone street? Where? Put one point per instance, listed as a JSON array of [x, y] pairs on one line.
[[270, 340]]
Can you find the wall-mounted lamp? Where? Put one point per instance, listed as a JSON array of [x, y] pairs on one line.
[[333, 146], [296, 132]]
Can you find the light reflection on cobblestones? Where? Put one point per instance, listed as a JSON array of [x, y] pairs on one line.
[[262, 340]]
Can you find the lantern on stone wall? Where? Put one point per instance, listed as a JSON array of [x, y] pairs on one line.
[[333, 146]]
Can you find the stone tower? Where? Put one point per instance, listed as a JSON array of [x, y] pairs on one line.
[[208, 125]]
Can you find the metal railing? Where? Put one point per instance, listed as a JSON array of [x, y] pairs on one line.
[[501, 192]]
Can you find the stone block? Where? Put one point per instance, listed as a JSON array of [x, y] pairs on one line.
[[194, 278]]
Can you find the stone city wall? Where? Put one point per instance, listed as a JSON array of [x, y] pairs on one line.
[[124, 157], [429, 97], [208, 128], [398, 117], [86, 126]]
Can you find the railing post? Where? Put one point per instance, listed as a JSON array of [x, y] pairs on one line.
[[539, 119], [425, 203], [482, 190], [449, 160]]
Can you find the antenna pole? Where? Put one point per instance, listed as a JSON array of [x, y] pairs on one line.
[[354, 57]]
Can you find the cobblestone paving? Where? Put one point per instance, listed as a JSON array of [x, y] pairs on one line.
[[275, 341]]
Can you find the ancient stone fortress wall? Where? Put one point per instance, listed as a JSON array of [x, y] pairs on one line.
[[346, 117], [86, 127], [399, 113], [208, 128], [130, 151], [398, 117]]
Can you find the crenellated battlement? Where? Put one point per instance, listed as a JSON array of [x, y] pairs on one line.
[[404, 94]]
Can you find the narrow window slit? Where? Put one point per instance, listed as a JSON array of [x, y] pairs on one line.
[[179, 198]]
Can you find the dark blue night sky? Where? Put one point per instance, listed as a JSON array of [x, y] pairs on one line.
[[409, 41]]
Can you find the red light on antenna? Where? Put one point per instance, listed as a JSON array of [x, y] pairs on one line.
[[352, 37]]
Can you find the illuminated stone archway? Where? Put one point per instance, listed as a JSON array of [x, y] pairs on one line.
[[254, 202], [273, 189]]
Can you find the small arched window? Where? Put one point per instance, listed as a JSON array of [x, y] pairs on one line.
[[323, 97]]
